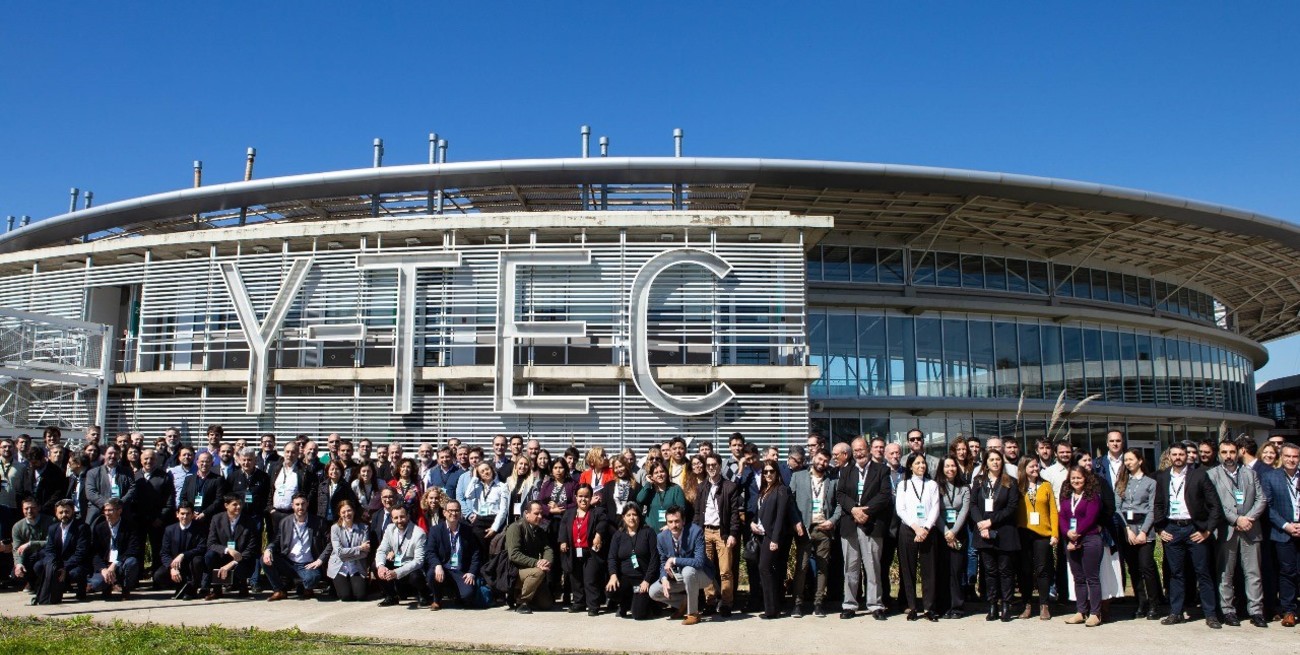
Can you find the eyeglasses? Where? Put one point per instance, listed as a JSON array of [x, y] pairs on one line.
[[769, 472], [713, 465], [913, 438]]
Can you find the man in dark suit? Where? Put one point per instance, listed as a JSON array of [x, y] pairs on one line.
[[864, 497], [65, 561], [300, 550], [718, 505], [108, 480], [233, 546], [155, 501], [116, 551], [204, 490], [1188, 513], [1282, 488], [47, 481], [181, 565], [252, 484], [453, 557]]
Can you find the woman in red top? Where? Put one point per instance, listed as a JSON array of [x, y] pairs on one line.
[[582, 549], [597, 475]]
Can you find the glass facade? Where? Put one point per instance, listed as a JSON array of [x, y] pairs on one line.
[[872, 352], [942, 269]]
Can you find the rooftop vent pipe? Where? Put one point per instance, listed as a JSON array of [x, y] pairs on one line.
[[379, 153], [90, 198], [26, 221], [433, 147], [198, 173], [9, 225], [248, 164], [72, 203]]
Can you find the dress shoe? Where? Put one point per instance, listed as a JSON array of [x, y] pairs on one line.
[[765, 616], [1143, 608], [691, 619], [1077, 619], [1288, 620], [574, 609], [932, 617], [523, 609], [954, 614], [1213, 623], [277, 595], [680, 613], [1093, 621], [1153, 614], [911, 615], [819, 611], [798, 611], [593, 612], [243, 592], [213, 595], [435, 606], [1029, 611], [878, 615], [724, 611], [1172, 619], [307, 594], [126, 595], [32, 602], [1007, 616], [1258, 621], [388, 602], [993, 612], [1231, 619], [846, 614]]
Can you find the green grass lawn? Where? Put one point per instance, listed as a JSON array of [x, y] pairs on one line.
[[30, 635]]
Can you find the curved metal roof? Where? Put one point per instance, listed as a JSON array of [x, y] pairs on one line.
[[1249, 261]]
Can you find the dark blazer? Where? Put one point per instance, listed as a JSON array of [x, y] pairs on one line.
[[876, 498], [247, 540], [191, 543], [730, 504], [129, 543], [1202, 501], [73, 554], [1002, 534], [320, 538], [52, 488], [155, 498], [1277, 489], [76, 491], [264, 461], [597, 524], [212, 489], [774, 516], [547, 489], [623, 546], [325, 503], [607, 499], [306, 479], [437, 549], [258, 485]]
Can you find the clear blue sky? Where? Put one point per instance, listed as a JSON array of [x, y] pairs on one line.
[[1197, 99]]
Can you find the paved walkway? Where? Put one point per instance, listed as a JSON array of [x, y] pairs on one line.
[[607, 633]]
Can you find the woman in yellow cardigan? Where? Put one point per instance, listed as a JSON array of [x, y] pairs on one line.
[[1038, 537]]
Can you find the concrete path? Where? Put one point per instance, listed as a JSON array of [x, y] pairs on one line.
[[565, 632]]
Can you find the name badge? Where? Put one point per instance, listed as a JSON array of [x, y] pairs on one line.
[[988, 504], [454, 563], [4, 484], [517, 508], [1074, 524], [248, 498], [230, 545], [578, 552], [198, 501], [397, 560], [1175, 507], [860, 487], [950, 515], [636, 564], [1033, 518], [1239, 495], [663, 516], [1128, 516], [920, 512], [817, 505], [112, 556], [115, 491]]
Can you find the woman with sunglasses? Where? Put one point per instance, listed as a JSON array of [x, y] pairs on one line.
[[916, 501], [583, 532], [772, 526]]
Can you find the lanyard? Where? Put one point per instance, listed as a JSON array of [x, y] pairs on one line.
[[1233, 475], [112, 535], [952, 496], [1032, 492], [917, 488], [1074, 504], [455, 542], [1176, 491]]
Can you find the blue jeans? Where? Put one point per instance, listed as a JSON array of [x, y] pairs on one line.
[[1177, 551], [1288, 573], [283, 571], [128, 574]]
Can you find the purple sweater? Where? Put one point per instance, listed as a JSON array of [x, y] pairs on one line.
[[1086, 513]]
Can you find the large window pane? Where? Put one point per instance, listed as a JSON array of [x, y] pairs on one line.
[[956, 358], [1038, 278], [1008, 359], [891, 266], [862, 265], [1053, 373], [1129, 367], [1099, 289], [842, 373], [923, 268], [981, 358], [948, 269], [995, 273], [1114, 375], [1160, 371], [1062, 275], [902, 356], [1145, 370], [817, 349], [972, 271], [1017, 275], [835, 263], [873, 362], [1092, 363], [1031, 361], [929, 357], [1075, 370]]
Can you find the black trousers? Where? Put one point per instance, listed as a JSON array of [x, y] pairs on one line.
[[1140, 562], [999, 573], [162, 576], [888, 548], [411, 585], [912, 554], [1036, 567], [350, 587], [50, 590], [586, 576], [771, 571], [953, 561], [629, 598]]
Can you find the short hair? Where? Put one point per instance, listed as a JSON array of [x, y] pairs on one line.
[[1246, 444], [673, 509], [677, 440], [216, 429], [115, 503], [528, 506], [1289, 445], [301, 495], [749, 449], [713, 455], [231, 498], [475, 449], [736, 436], [66, 502], [185, 504], [30, 499], [249, 452], [1177, 444]]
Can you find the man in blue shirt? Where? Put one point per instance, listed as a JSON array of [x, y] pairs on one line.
[[445, 474]]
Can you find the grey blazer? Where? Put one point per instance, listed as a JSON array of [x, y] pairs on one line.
[[801, 486], [1140, 499], [957, 498], [1252, 504], [410, 545], [346, 547]]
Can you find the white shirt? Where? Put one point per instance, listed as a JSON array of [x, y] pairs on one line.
[[915, 496], [286, 485], [711, 517], [1056, 475], [300, 552], [1178, 496], [1115, 465]]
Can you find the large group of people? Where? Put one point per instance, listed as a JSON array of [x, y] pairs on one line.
[[666, 531]]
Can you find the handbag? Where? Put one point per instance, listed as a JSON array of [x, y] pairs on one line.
[[751, 547]]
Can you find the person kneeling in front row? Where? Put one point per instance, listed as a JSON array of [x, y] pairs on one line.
[[452, 554], [530, 553], [300, 549], [400, 559], [181, 564], [685, 569]]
